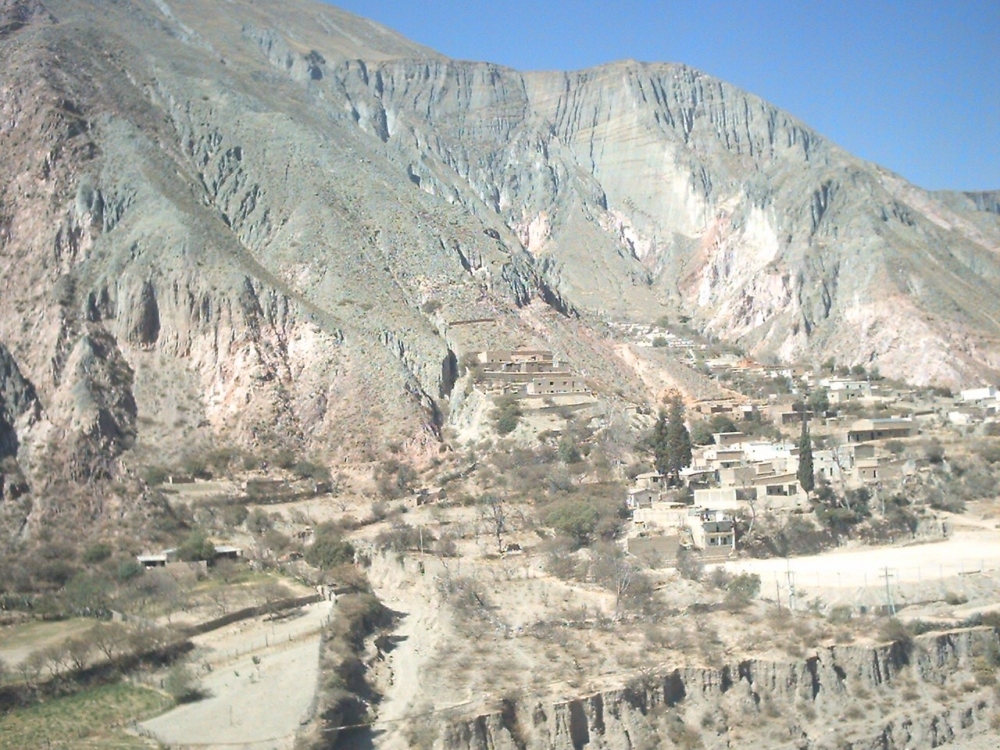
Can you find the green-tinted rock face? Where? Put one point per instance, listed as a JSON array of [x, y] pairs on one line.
[[263, 224]]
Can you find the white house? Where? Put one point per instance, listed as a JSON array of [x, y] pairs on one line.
[[986, 393]]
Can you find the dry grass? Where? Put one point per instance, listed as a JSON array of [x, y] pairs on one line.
[[17, 641]]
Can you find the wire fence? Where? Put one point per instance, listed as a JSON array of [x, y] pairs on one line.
[[882, 588]]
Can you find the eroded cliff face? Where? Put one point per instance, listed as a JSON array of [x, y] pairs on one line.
[[197, 247], [651, 187], [884, 697]]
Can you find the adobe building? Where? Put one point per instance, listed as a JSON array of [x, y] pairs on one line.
[[866, 430]]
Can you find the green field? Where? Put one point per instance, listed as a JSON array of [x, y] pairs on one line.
[[93, 718]]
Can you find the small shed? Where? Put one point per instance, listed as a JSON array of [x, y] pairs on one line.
[[152, 561]]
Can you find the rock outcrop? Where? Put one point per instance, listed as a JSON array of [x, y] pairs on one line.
[[891, 696]]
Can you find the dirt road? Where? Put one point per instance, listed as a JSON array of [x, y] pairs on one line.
[[965, 565]]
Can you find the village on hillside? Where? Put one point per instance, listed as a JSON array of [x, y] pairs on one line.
[[867, 436]]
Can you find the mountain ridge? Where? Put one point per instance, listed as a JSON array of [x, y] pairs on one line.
[[255, 226]]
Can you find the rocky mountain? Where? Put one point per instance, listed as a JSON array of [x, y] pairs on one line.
[[263, 222]]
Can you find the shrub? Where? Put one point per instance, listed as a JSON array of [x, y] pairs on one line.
[[689, 564], [155, 475], [182, 685], [330, 549], [196, 547], [895, 447], [394, 478], [741, 589], [575, 519], [953, 598], [97, 553], [234, 515], [259, 522], [840, 614], [128, 569], [401, 537], [506, 415], [934, 451], [310, 470], [894, 631]]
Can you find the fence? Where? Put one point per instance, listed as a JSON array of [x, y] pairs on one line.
[[881, 588], [247, 612]]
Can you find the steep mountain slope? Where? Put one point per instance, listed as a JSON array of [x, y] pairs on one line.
[[257, 223], [192, 247]]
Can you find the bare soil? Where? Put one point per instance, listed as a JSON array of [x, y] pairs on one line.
[[261, 687]]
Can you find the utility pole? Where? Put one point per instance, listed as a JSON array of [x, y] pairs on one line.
[[791, 585], [888, 592]]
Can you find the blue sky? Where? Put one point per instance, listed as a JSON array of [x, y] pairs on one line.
[[913, 86]]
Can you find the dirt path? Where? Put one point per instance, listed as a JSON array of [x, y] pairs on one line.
[[251, 705], [422, 635]]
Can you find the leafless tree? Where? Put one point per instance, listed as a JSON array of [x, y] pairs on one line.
[[220, 598], [78, 651], [109, 638], [31, 667], [270, 594], [493, 509], [146, 637], [56, 658], [616, 570]]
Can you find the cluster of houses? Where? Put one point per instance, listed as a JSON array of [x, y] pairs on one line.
[[528, 372], [974, 406], [709, 529], [739, 473], [651, 335]]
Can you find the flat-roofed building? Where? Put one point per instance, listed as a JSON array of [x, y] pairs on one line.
[[866, 430]]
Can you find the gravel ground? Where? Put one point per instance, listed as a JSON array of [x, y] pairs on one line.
[[253, 706]]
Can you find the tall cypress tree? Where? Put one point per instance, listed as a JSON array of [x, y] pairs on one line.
[[678, 440], [661, 444], [805, 473]]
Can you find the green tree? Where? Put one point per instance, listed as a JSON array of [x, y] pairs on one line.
[[330, 549], [678, 440], [568, 452], [506, 415], [88, 593], [577, 520], [703, 432], [818, 401], [661, 444], [197, 546], [805, 474], [741, 590]]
